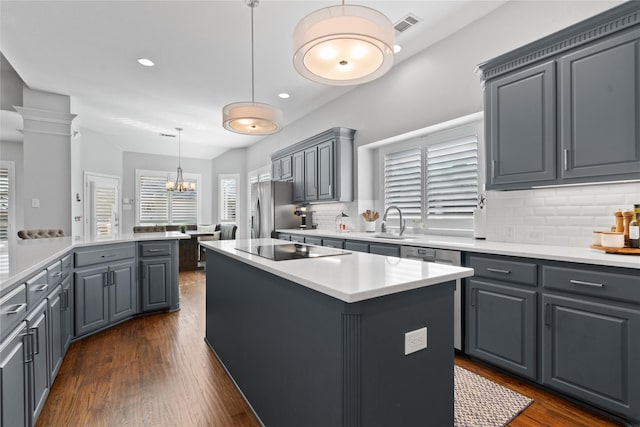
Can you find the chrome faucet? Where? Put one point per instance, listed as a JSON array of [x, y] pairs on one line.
[[383, 226]]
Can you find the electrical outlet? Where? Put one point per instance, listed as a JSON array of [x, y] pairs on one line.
[[415, 341], [35, 203]]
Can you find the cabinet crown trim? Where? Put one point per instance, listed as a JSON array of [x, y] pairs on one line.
[[336, 132], [619, 18]]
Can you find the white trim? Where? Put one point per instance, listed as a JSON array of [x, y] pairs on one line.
[[11, 226], [235, 176], [86, 206]]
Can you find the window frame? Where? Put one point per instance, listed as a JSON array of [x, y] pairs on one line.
[[11, 195], [441, 226], [168, 175]]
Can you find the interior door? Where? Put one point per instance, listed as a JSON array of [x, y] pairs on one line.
[[102, 206]]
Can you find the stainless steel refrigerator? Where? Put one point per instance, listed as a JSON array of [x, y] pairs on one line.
[[272, 208]]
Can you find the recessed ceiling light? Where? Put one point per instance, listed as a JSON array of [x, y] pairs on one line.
[[397, 48], [146, 62], [284, 95]]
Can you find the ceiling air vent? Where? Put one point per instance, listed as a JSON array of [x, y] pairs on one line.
[[405, 23]]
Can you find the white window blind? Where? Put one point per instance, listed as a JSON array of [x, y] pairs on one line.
[[403, 183], [228, 198], [452, 178], [105, 200], [4, 203], [159, 206]]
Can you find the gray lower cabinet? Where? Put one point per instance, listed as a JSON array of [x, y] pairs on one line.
[[521, 135], [284, 236], [14, 378], [384, 249], [104, 295], [356, 245], [39, 373], [600, 92], [313, 240], [56, 340], [502, 325], [156, 283], [591, 350], [297, 239], [333, 243], [66, 326]]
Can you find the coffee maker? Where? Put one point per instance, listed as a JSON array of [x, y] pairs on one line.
[[306, 218]]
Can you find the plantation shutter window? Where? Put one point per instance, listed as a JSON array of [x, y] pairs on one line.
[[452, 178], [228, 198], [105, 200], [403, 183], [159, 206]]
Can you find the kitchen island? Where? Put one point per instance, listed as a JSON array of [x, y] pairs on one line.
[[321, 341]]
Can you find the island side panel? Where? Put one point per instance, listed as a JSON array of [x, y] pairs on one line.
[[280, 343], [303, 358]]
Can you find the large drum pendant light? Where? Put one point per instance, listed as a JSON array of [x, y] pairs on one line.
[[343, 45], [252, 118]]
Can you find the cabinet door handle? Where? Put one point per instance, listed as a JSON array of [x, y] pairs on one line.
[[105, 279], [565, 158], [497, 270], [473, 297], [493, 168], [36, 337], [65, 300], [113, 277], [580, 282], [28, 345], [547, 314], [17, 309]]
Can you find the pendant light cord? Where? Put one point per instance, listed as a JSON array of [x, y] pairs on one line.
[[252, 66]]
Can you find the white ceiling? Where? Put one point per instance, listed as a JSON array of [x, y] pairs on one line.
[[88, 50]]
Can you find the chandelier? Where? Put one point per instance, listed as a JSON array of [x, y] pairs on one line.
[[180, 184]]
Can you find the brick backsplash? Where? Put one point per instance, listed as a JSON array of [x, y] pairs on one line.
[[557, 216]]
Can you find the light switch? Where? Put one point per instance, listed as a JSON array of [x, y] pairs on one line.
[[35, 203]]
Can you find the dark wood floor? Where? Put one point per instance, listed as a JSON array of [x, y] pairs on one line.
[[157, 371]]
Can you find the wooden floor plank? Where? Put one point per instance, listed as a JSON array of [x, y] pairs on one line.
[[156, 370]]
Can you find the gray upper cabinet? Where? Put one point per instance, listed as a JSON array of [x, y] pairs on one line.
[[321, 167], [325, 171], [298, 177], [311, 173], [521, 134], [600, 115], [565, 109]]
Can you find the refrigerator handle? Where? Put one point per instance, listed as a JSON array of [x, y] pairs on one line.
[[258, 219]]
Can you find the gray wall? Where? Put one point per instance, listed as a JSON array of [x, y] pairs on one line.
[[132, 161]]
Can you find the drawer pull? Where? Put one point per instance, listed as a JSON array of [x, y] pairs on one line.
[[108, 256], [580, 282], [57, 274], [17, 309], [497, 270], [41, 288], [155, 250]]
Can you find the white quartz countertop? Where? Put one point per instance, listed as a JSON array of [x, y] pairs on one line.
[[467, 244], [21, 258], [352, 277]]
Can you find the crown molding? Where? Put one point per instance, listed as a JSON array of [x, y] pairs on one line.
[[46, 116], [620, 18]]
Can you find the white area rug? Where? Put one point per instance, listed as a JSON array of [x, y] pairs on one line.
[[480, 402]]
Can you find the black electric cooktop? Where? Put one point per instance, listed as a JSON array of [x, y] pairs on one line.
[[290, 251]]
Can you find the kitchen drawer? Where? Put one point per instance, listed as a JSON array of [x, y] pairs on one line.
[[297, 239], [155, 249], [593, 282], [37, 289], [357, 246], [284, 236], [104, 254], [525, 273], [313, 240], [67, 265], [13, 308], [333, 243], [54, 274]]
